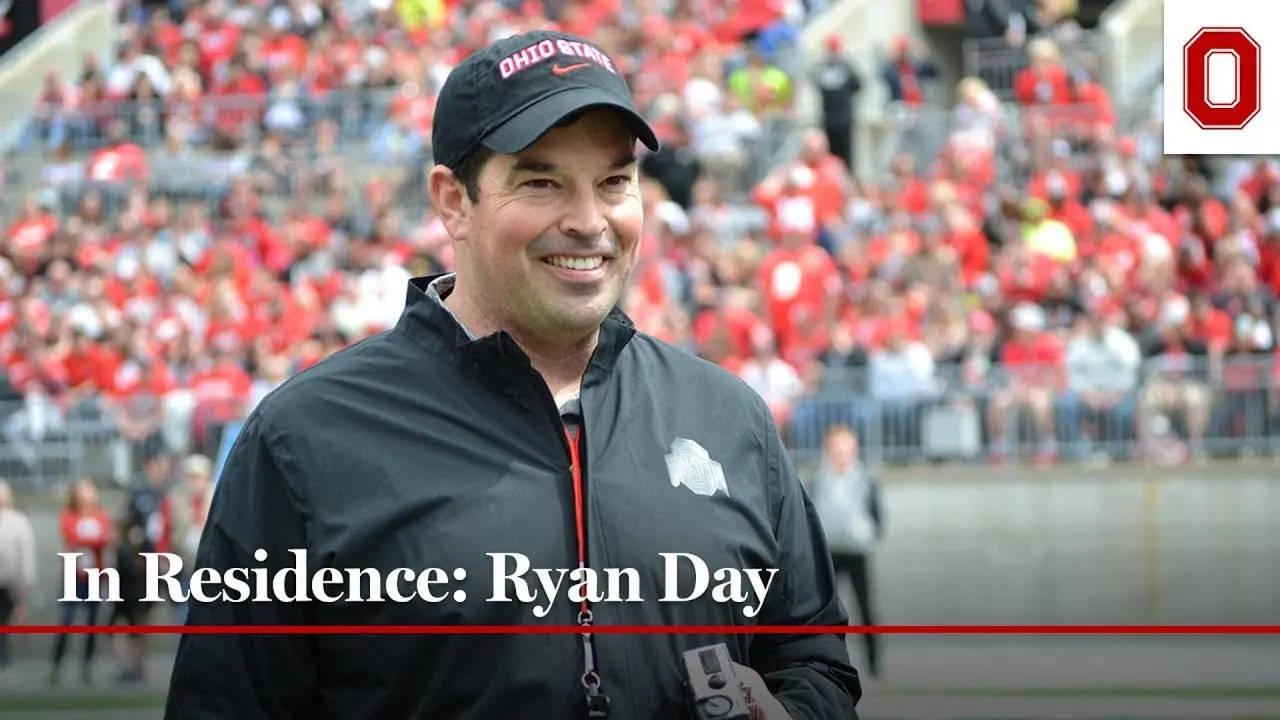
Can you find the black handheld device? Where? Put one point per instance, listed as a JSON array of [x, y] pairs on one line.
[[715, 691]]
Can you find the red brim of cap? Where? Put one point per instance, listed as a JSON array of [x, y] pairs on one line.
[[527, 126]]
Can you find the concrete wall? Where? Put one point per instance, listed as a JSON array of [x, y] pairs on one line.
[[1135, 36], [1197, 545]]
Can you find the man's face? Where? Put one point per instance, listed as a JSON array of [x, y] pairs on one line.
[[157, 469], [554, 236], [197, 481]]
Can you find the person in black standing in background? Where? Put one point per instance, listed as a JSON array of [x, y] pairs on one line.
[[848, 501], [838, 81], [142, 530], [675, 166]]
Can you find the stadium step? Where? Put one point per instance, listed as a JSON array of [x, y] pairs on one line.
[[867, 27], [61, 45], [1134, 35]]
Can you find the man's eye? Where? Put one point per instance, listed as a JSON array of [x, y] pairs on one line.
[[541, 184], [618, 181]]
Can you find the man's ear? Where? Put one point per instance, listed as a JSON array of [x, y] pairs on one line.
[[450, 201]]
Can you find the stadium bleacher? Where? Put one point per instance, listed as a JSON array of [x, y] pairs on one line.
[[240, 194]]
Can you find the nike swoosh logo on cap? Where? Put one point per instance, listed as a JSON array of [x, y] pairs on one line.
[[566, 69]]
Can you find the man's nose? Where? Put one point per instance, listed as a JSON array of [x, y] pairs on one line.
[[584, 215]]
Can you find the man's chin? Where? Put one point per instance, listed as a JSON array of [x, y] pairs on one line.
[[572, 315]]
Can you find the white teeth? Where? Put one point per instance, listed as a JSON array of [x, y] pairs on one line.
[[577, 263]]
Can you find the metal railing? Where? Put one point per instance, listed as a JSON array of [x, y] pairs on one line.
[[1174, 408], [357, 135], [349, 115], [998, 63], [278, 178], [1017, 139]]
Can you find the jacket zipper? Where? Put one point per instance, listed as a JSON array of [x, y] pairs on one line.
[[597, 702]]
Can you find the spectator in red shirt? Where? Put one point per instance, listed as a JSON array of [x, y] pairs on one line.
[[801, 286], [87, 531], [1045, 82], [276, 279], [1033, 362], [120, 159], [221, 389], [906, 69], [137, 391]]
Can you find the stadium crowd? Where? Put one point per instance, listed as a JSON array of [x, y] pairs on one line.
[[1039, 275]]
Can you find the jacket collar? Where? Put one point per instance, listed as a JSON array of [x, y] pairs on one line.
[[430, 324]]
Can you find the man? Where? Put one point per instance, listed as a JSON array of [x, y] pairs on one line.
[[675, 167], [142, 529], [848, 497], [17, 566], [1103, 366], [188, 507], [839, 83], [514, 409]]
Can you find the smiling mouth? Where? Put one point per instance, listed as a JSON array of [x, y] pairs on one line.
[[590, 262]]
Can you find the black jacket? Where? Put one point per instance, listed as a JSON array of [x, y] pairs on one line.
[[421, 448], [838, 82]]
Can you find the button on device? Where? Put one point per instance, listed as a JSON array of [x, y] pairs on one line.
[[715, 682], [710, 663], [717, 705]]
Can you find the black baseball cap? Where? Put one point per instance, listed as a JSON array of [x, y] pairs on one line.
[[508, 95]]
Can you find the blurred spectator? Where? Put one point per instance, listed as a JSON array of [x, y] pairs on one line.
[[675, 166], [901, 381], [187, 509], [239, 194], [1045, 235], [724, 137], [1178, 381], [1102, 365], [765, 90], [144, 527], [1045, 81], [905, 71], [17, 567], [848, 500], [1033, 360], [86, 531], [839, 82], [775, 380], [800, 281], [272, 373]]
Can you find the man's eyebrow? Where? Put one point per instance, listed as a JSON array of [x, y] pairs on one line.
[[624, 161], [539, 166], [533, 165]]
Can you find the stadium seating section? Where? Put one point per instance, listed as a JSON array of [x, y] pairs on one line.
[[241, 194]]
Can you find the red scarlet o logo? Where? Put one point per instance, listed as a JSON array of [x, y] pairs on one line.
[[1212, 45]]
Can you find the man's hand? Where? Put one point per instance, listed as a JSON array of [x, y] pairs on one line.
[[764, 706]]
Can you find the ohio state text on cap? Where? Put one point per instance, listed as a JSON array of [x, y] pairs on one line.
[[508, 95]]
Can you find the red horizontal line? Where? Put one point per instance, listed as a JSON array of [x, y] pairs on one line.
[[642, 630]]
